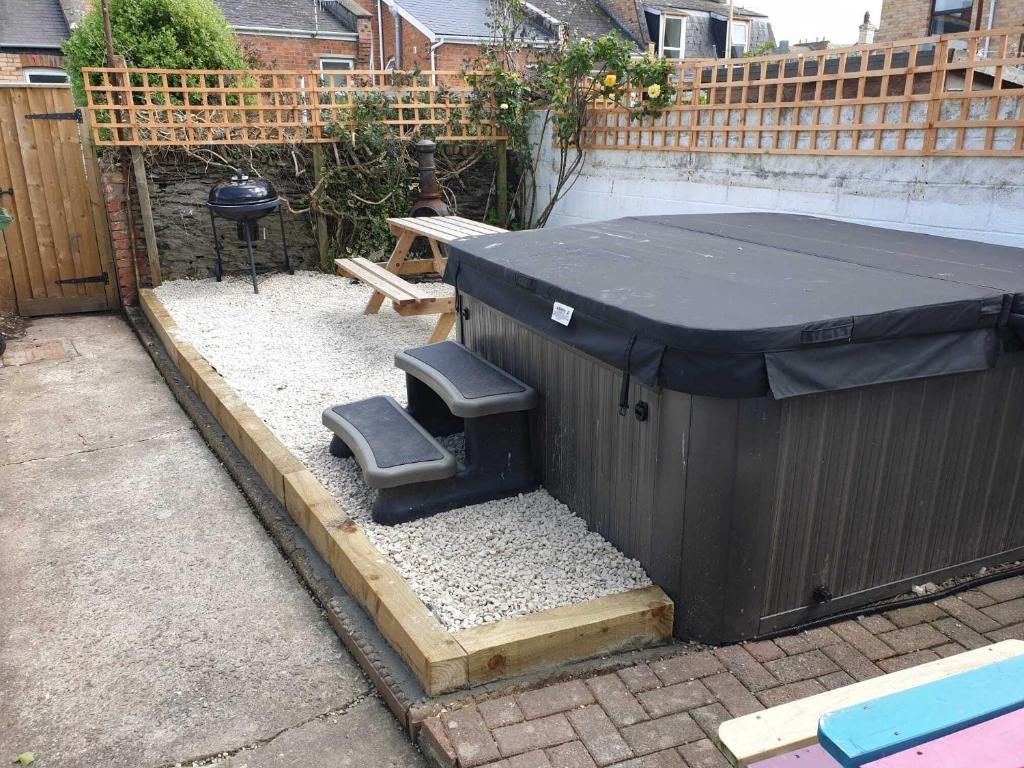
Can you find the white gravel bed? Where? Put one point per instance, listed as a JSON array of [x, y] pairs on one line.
[[303, 345]]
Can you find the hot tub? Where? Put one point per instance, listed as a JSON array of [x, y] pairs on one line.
[[781, 417]]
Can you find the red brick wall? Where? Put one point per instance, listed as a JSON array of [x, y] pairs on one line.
[[903, 19], [130, 273], [297, 52], [12, 65]]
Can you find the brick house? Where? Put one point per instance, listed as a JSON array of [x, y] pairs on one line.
[[302, 34], [31, 34], [919, 18], [441, 34]]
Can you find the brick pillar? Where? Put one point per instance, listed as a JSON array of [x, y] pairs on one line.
[[364, 28], [129, 274]]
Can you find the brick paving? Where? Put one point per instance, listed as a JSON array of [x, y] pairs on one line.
[[666, 713]]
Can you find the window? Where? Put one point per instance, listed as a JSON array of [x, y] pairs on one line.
[[950, 16], [46, 77], [740, 37], [673, 36], [334, 66]]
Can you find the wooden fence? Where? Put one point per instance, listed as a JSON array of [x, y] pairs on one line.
[[951, 95], [153, 107]]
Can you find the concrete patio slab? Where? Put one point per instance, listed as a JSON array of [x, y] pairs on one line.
[[147, 618]]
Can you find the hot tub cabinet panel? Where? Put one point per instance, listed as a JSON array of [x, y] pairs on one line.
[[742, 508]]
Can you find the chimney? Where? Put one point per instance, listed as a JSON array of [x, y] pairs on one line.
[[867, 30]]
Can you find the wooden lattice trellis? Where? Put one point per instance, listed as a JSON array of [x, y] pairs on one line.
[[153, 107], [951, 95]]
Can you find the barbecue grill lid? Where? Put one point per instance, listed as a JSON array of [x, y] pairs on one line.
[[240, 189], [739, 305]]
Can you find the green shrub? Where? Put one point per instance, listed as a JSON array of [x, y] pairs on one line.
[[169, 34]]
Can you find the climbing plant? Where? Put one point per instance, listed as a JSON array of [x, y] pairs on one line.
[[562, 83]]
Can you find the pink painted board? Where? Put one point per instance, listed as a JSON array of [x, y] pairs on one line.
[[807, 757], [996, 743]]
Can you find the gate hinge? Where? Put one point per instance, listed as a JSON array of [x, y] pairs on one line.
[[76, 116], [102, 278]]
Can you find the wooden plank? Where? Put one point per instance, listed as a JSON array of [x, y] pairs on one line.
[[61, 305], [444, 229], [98, 208], [791, 726], [16, 273], [444, 326], [438, 661], [381, 280], [998, 743], [146, 208], [8, 301], [900, 721], [430, 306], [632, 619], [419, 266], [31, 202], [78, 202], [321, 219], [54, 193], [405, 241]]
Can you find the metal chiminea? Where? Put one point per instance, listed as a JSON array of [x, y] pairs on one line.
[[245, 201], [429, 202]]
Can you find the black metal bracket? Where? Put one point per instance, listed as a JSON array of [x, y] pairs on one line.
[[6, 192], [102, 278], [822, 594], [641, 410], [76, 116]]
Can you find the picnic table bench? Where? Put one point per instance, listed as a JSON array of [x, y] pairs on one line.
[[874, 722], [407, 298]]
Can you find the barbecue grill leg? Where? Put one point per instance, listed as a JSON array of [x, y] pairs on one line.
[[252, 257], [284, 242], [218, 270]]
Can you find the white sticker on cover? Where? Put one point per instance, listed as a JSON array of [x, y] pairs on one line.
[[561, 314]]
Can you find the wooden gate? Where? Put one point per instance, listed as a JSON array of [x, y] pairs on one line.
[[55, 256]]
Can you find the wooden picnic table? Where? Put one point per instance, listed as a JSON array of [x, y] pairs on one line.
[[407, 298]]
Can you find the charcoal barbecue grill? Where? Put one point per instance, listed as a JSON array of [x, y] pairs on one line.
[[245, 201]]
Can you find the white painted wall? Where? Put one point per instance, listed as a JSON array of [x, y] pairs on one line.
[[972, 198]]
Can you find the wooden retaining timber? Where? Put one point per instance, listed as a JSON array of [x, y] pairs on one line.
[[442, 661]]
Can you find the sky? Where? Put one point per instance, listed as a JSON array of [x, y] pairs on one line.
[[834, 20]]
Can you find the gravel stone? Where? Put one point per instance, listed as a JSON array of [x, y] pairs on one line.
[[302, 345]]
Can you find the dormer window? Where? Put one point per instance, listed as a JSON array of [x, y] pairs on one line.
[[740, 37], [672, 44]]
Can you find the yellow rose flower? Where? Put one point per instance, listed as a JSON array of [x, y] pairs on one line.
[[654, 91], [610, 80]]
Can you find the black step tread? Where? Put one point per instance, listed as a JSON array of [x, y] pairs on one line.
[[469, 385], [390, 446]]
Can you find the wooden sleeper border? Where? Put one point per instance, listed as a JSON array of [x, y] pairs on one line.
[[442, 661]]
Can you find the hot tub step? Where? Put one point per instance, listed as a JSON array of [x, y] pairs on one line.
[[390, 446], [470, 386]]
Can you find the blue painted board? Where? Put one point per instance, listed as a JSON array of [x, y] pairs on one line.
[[890, 724]]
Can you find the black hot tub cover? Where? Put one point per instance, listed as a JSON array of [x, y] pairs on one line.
[[739, 305]]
